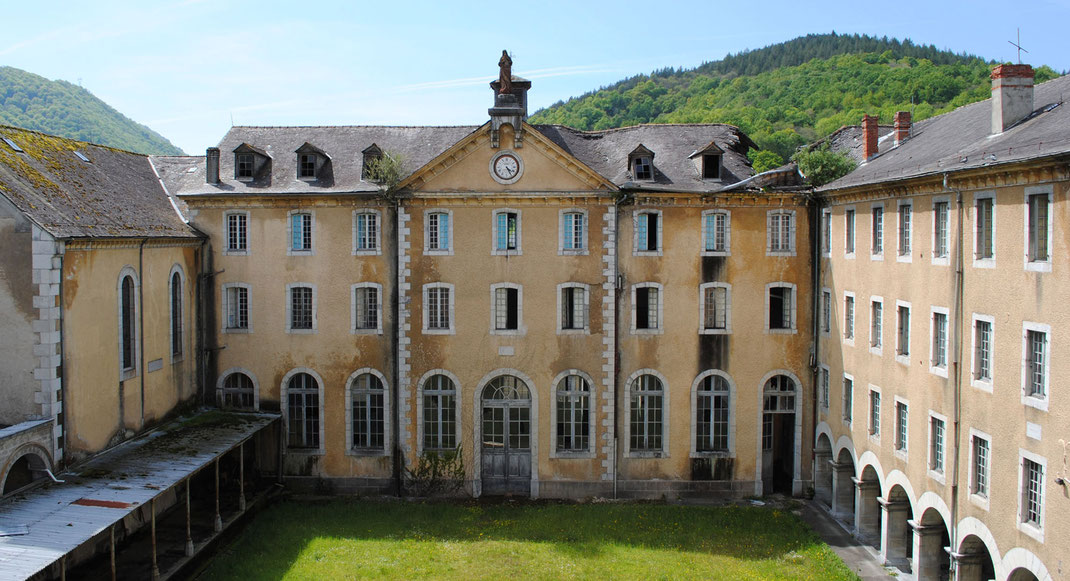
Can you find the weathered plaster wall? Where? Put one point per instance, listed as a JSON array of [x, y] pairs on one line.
[[17, 313]]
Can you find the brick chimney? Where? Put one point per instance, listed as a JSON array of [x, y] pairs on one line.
[[902, 127], [869, 136], [1012, 95], [211, 165]]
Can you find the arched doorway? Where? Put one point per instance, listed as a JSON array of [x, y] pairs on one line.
[[843, 488], [823, 472], [867, 507], [506, 436], [931, 560], [973, 562], [778, 434], [897, 538], [23, 471]]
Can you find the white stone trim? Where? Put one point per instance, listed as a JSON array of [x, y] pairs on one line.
[[660, 309], [378, 250], [899, 255], [452, 328], [226, 234], [825, 235], [904, 453], [126, 373], [665, 416], [940, 260], [353, 330], [983, 384], [1029, 400], [939, 370], [388, 418], [727, 233], [289, 309], [1037, 265], [659, 251], [850, 232], [793, 227], [561, 250], [403, 326], [793, 314], [901, 357], [874, 252], [876, 348], [937, 475], [477, 401], [847, 415], [519, 250], [47, 271], [874, 430], [289, 232], [183, 314], [1021, 558], [458, 416], [850, 318], [521, 328], [608, 449], [448, 251], [224, 302], [586, 330], [800, 393], [978, 500], [252, 377], [592, 414], [985, 262], [284, 403], [1034, 531], [731, 453], [702, 330], [824, 395]]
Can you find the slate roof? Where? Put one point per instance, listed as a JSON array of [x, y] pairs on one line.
[[848, 140], [962, 139], [606, 152], [114, 195]]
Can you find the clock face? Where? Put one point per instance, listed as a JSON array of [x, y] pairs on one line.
[[506, 167]]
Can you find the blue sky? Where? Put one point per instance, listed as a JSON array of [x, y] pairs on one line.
[[189, 68]]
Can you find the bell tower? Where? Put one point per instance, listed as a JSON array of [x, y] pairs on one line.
[[510, 102]]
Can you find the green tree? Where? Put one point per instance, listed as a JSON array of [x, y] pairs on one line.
[[821, 166], [764, 160]]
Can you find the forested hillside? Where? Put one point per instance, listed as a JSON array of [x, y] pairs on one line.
[[61, 108], [792, 93]]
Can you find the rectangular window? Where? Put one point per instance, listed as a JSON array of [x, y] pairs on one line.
[[1038, 228], [902, 346], [438, 231], [849, 231], [781, 231], [306, 165], [905, 216], [642, 168], [825, 388], [901, 412], [941, 215], [980, 461], [440, 413], [936, 440], [647, 232], [985, 236], [367, 308], [573, 231], [874, 413], [711, 167], [573, 415], [438, 308], [1032, 492], [848, 399], [367, 231], [715, 308], [508, 231], [647, 412], [982, 345], [826, 311], [237, 307], [300, 307], [573, 312], [301, 232], [1036, 364], [876, 323], [877, 246], [303, 407], [780, 307], [939, 355], [243, 166], [506, 309], [237, 232], [646, 308], [715, 232], [849, 317], [826, 232]]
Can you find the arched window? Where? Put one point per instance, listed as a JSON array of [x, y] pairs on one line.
[[127, 324], [778, 398], [303, 411], [238, 391], [369, 412], [647, 414], [176, 315], [573, 414], [713, 414], [440, 413]]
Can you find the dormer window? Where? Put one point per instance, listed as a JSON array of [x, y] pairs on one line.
[[641, 162], [372, 154], [708, 161], [243, 166], [306, 165], [251, 164], [311, 163]]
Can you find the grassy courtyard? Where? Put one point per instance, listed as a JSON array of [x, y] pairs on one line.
[[345, 539]]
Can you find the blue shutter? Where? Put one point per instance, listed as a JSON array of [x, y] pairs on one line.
[[295, 229], [443, 231], [503, 231]]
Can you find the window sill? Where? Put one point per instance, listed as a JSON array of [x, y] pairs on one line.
[[903, 358], [847, 422], [937, 476], [583, 331], [128, 373], [901, 454], [237, 330], [1035, 402], [938, 370], [875, 438], [646, 454], [848, 255], [177, 358], [904, 258], [235, 253], [368, 252], [877, 257], [716, 253], [496, 252], [569, 455], [725, 331], [292, 252], [1032, 530], [377, 331], [849, 341], [438, 252], [646, 332], [646, 253], [878, 350], [508, 332], [573, 252], [941, 261], [306, 451], [984, 262], [783, 253], [244, 179], [791, 331], [712, 454], [301, 331], [449, 331], [982, 384], [979, 501], [366, 453], [1038, 266]]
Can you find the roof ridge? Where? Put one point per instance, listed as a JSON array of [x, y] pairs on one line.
[[352, 126], [72, 140]]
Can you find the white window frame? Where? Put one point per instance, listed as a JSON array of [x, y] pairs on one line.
[[660, 308], [826, 233], [826, 311], [378, 250], [904, 254], [663, 452], [521, 329], [903, 451], [519, 250], [824, 387], [421, 410], [225, 302], [635, 233], [586, 288], [591, 413], [981, 500], [900, 356], [284, 406], [792, 227], [946, 259], [387, 414], [135, 338], [448, 251], [1040, 403], [847, 399], [874, 423], [221, 381], [1036, 531], [983, 384], [985, 262], [425, 316], [793, 311], [562, 236], [182, 314], [934, 367], [941, 475], [876, 234], [850, 232], [702, 330], [289, 232], [731, 448], [226, 233], [878, 348], [378, 330], [727, 251], [289, 309], [850, 320], [1037, 265]]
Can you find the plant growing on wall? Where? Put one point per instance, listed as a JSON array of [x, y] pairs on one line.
[[386, 171], [436, 473]]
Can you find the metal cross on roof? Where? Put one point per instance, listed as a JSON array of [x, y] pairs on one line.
[[1018, 45]]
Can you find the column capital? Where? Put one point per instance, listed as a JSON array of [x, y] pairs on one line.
[[925, 530], [893, 505], [865, 484]]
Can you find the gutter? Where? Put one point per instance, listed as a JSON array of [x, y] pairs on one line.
[[957, 371], [395, 346], [141, 324]]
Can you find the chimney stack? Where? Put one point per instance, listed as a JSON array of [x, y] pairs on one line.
[[869, 136], [902, 127], [1012, 95], [211, 165]]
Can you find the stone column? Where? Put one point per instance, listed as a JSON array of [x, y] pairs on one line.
[[894, 532], [843, 492], [968, 566], [867, 511], [822, 473], [928, 554]]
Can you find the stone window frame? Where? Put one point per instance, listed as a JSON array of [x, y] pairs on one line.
[[285, 405], [702, 329], [521, 329], [591, 413], [1034, 530], [850, 232], [226, 306], [793, 312], [227, 250], [457, 415], [586, 328], [946, 259], [987, 383], [289, 309], [877, 231], [665, 416], [1040, 403], [730, 452], [824, 388], [519, 250], [792, 232], [562, 235], [221, 381], [941, 474], [903, 335], [982, 501], [826, 233], [387, 448], [183, 310], [378, 250], [987, 262], [1031, 264], [448, 250], [850, 318], [826, 311], [901, 439], [904, 253], [634, 307], [311, 250], [636, 250], [847, 399], [727, 251], [873, 415], [128, 372], [451, 329], [876, 326], [934, 367], [353, 329]]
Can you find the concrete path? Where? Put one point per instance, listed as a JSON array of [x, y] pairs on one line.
[[862, 559]]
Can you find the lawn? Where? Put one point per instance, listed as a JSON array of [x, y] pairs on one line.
[[391, 539]]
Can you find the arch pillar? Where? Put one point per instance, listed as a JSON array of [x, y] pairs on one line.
[[895, 533], [823, 476], [867, 510], [968, 566], [843, 491], [929, 555]]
